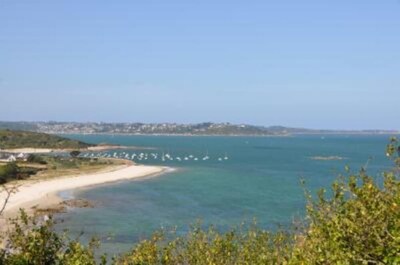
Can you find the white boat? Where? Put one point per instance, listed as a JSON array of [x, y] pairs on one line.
[[206, 157]]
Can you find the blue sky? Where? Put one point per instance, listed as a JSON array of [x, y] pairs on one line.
[[310, 63]]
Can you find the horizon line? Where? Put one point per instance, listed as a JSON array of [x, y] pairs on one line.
[[194, 123]]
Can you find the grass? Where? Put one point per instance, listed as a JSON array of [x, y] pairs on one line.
[[66, 166]]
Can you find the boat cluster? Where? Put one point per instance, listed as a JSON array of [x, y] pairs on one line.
[[164, 157]]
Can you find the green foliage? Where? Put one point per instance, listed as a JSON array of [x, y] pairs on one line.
[[8, 172], [248, 246], [32, 158], [358, 224], [61, 163], [11, 171], [34, 243], [21, 139]]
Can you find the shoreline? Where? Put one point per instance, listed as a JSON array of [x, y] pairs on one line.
[[235, 135], [46, 193], [100, 148]]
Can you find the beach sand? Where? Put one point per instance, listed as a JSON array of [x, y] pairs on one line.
[[43, 194], [98, 148], [28, 150]]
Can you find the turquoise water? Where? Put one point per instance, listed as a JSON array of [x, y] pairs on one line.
[[259, 180]]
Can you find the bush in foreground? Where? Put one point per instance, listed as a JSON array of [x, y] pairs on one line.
[[357, 222], [34, 243]]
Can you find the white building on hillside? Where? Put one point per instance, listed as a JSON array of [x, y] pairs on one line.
[[11, 158]]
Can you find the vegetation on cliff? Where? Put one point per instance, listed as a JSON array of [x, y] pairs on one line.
[[10, 139]]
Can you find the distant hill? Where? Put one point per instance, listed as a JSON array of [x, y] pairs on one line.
[[206, 128], [10, 139]]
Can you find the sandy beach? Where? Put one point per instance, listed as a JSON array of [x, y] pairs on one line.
[[28, 150], [98, 148], [44, 193]]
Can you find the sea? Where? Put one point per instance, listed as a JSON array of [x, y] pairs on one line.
[[221, 181]]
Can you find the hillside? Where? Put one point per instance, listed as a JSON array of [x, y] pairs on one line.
[[10, 139], [206, 128]]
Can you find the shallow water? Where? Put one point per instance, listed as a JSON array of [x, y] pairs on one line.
[[259, 180]]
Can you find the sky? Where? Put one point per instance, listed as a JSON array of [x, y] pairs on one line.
[[329, 64]]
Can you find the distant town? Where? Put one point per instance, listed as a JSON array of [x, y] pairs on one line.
[[206, 128]]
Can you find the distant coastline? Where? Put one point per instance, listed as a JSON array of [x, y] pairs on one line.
[[174, 129], [238, 135]]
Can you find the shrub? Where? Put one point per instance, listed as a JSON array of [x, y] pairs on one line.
[[199, 246], [8, 172], [32, 158], [31, 242]]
